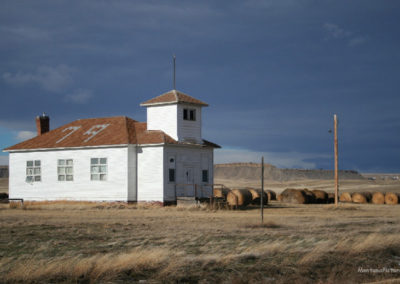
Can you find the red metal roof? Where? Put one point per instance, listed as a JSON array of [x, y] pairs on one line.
[[119, 130], [173, 96]]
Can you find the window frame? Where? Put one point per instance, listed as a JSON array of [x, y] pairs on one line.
[[206, 175], [36, 165], [192, 114], [189, 114], [65, 166], [173, 172], [102, 169], [171, 168]]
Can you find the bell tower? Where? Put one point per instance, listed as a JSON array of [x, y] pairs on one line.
[[177, 114]]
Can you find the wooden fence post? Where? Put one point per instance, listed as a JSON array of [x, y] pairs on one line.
[[262, 190]]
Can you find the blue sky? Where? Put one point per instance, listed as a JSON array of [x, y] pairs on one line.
[[273, 72]]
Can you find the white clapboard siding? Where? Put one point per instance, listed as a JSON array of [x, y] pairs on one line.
[[81, 188], [150, 173], [194, 158], [163, 118], [188, 129]]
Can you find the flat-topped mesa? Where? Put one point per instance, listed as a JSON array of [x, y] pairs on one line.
[[177, 114]]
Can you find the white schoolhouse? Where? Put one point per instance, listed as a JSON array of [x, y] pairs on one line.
[[118, 158]]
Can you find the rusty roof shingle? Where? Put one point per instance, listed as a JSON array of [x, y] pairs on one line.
[[92, 132], [171, 97]]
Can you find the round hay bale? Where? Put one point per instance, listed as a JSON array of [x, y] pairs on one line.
[[221, 192], [320, 196], [361, 197], [331, 197], [279, 197], [378, 198], [310, 196], [392, 198], [291, 195], [271, 194], [239, 197], [345, 197], [256, 196]]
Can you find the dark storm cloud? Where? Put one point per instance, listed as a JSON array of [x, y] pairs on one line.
[[274, 72]]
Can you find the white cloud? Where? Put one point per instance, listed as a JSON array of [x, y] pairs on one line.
[[335, 32], [25, 135], [79, 96], [281, 160], [3, 160], [357, 40], [26, 32], [54, 79]]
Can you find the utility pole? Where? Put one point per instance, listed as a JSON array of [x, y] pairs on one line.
[[336, 161], [262, 190]]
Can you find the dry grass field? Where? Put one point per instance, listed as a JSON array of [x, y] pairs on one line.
[[115, 242], [95, 242]]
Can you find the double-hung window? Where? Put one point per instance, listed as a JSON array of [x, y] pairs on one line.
[[98, 169], [33, 172], [65, 170], [189, 114]]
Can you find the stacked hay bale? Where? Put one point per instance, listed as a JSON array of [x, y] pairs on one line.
[[361, 197], [305, 196], [392, 198], [378, 198], [220, 192], [345, 197], [239, 197], [292, 195], [331, 198], [256, 196], [320, 196], [271, 194], [310, 196]]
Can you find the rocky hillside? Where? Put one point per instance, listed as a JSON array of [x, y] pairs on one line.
[[251, 171]]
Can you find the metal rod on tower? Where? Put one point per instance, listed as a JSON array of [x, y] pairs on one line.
[[174, 57], [262, 189], [336, 160]]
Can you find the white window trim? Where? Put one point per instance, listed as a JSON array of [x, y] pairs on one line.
[[99, 173], [65, 166], [33, 175]]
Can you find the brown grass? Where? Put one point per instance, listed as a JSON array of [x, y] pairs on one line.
[[111, 242]]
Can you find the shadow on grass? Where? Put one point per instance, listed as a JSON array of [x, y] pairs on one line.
[[267, 224]]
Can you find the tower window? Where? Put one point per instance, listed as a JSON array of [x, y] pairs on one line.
[[189, 114]]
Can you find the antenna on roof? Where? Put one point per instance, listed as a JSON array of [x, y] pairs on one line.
[[174, 61]]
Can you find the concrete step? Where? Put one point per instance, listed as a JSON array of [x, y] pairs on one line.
[[186, 201]]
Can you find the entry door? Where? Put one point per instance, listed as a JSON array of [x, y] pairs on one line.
[[189, 176]]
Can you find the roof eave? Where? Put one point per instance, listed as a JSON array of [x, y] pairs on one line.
[[173, 103], [65, 148]]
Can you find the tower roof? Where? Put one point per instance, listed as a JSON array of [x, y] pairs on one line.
[[173, 97]]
